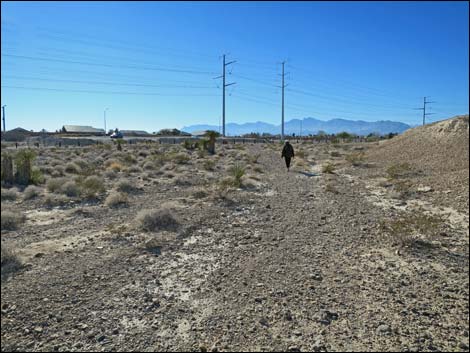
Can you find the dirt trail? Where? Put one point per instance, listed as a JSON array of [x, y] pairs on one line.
[[291, 267]]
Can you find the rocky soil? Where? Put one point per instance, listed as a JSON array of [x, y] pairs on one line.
[[296, 261]]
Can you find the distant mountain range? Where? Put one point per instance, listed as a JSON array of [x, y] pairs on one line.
[[309, 126]]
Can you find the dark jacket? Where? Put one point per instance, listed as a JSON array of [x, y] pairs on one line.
[[288, 151]]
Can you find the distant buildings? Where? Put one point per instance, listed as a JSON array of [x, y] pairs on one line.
[[81, 130], [172, 132], [135, 133]]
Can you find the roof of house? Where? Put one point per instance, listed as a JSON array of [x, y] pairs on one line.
[[83, 129], [136, 132], [199, 133]]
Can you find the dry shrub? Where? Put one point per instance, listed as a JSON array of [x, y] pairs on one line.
[[55, 200], [55, 185], [125, 186], [10, 261], [118, 199], [399, 170], [157, 220], [410, 229], [208, 164], [31, 192], [72, 168], [328, 168], [92, 186], [115, 166], [71, 189], [9, 194], [12, 220], [356, 159]]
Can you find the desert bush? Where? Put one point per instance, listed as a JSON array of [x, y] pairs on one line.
[[125, 186], [10, 261], [9, 194], [110, 174], [157, 220], [356, 159], [200, 194], [116, 200], [399, 170], [46, 170], [257, 169], [12, 220], [128, 159], [300, 153], [37, 177], [328, 168], [410, 229], [82, 164], [335, 154], [149, 165], [55, 200], [330, 188], [189, 145], [72, 168], [55, 185], [179, 158], [208, 164], [92, 186], [134, 169], [56, 162], [143, 154], [237, 172], [31, 192], [201, 153], [71, 189], [115, 166], [58, 171]]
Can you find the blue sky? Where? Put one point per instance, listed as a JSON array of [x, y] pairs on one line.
[[153, 63]]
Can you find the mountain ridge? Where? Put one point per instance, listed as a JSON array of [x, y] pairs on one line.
[[309, 126]]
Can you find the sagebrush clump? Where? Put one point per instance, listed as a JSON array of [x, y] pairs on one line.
[[157, 220], [118, 199], [31, 192], [12, 220]]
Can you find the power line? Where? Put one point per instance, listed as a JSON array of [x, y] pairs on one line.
[[282, 104], [109, 92], [108, 65], [103, 82]]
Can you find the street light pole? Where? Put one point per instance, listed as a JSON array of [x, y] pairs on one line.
[[105, 121]]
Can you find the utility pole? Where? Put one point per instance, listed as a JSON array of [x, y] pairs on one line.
[[424, 109], [3, 118], [223, 91], [300, 130], [282, 114]]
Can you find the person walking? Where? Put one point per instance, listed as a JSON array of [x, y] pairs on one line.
[[287, 153]]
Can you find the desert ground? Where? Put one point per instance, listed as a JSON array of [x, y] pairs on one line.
[[360, 247]]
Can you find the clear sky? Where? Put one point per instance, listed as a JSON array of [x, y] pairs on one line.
[[153, 64]]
